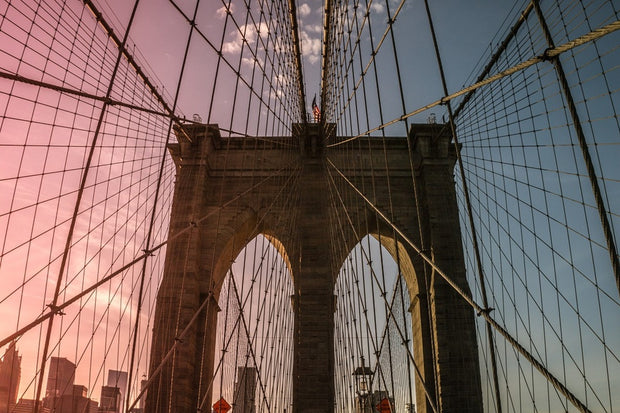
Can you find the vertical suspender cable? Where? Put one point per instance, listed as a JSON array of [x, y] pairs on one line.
[[76, 209], [325, 61], [493, 60], [485, 303], [297, 50], [583, 145], [152, 222]]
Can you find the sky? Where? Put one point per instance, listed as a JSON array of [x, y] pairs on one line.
[[42, 198], [44, 135], [464, 34]]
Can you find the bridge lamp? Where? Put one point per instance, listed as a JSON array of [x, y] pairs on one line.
[[362, 375]]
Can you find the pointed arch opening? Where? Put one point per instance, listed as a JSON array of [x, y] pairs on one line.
[[253, 363], [374, 330]]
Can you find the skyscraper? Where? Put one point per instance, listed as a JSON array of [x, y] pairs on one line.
[[245, 390], [60, 378], [110, 400], [10, 372], [118, 379], [77, 402]]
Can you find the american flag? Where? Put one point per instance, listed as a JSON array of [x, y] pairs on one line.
[[315, 110]]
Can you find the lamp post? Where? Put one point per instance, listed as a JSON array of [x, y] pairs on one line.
[[362, 375]]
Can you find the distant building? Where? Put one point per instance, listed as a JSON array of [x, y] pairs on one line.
[[59, 391], [143, 398], [110, 400], [77, 402], [139, 407], [60, 377], [61, 394], [118, 379], [245, 391], [27, 406], [10, 373]]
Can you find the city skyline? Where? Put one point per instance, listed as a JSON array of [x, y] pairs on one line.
[[62, 393]]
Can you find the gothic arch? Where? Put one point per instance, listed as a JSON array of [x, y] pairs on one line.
[[448, 362], [246, 226], [411, 267]]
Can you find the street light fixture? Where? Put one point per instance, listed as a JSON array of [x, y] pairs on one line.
[[363, 377]]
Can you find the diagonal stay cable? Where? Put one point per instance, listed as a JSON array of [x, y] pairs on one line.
[[479, 310], [360, 295], [374, 275], [248, 335], [122, 46], [71, 91], [548, 54], [78, 201], [298, 65], [495, 57], [179, 338], [227, 62], [468, 207], [583, 145], [58, 308], [154, 209]]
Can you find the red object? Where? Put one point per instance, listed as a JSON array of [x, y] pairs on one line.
[[221, 406], [384, 406], [315, 110]]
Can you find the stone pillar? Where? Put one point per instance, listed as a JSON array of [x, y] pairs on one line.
[[183, 290], [457, 370], [453, 374], [313, 387]]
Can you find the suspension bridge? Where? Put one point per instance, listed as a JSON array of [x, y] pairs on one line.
[[183, 231]]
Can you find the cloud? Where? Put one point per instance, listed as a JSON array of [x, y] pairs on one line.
[[231, 47], [249, 61], [313, 59], [222, 11], [252, 32], [377, 8], [311, 47], [314, 28], [354, 12], [275, 94], [281, 79], [304, 10]]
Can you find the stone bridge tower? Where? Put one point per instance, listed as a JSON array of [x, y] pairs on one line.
[[224, 197]]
